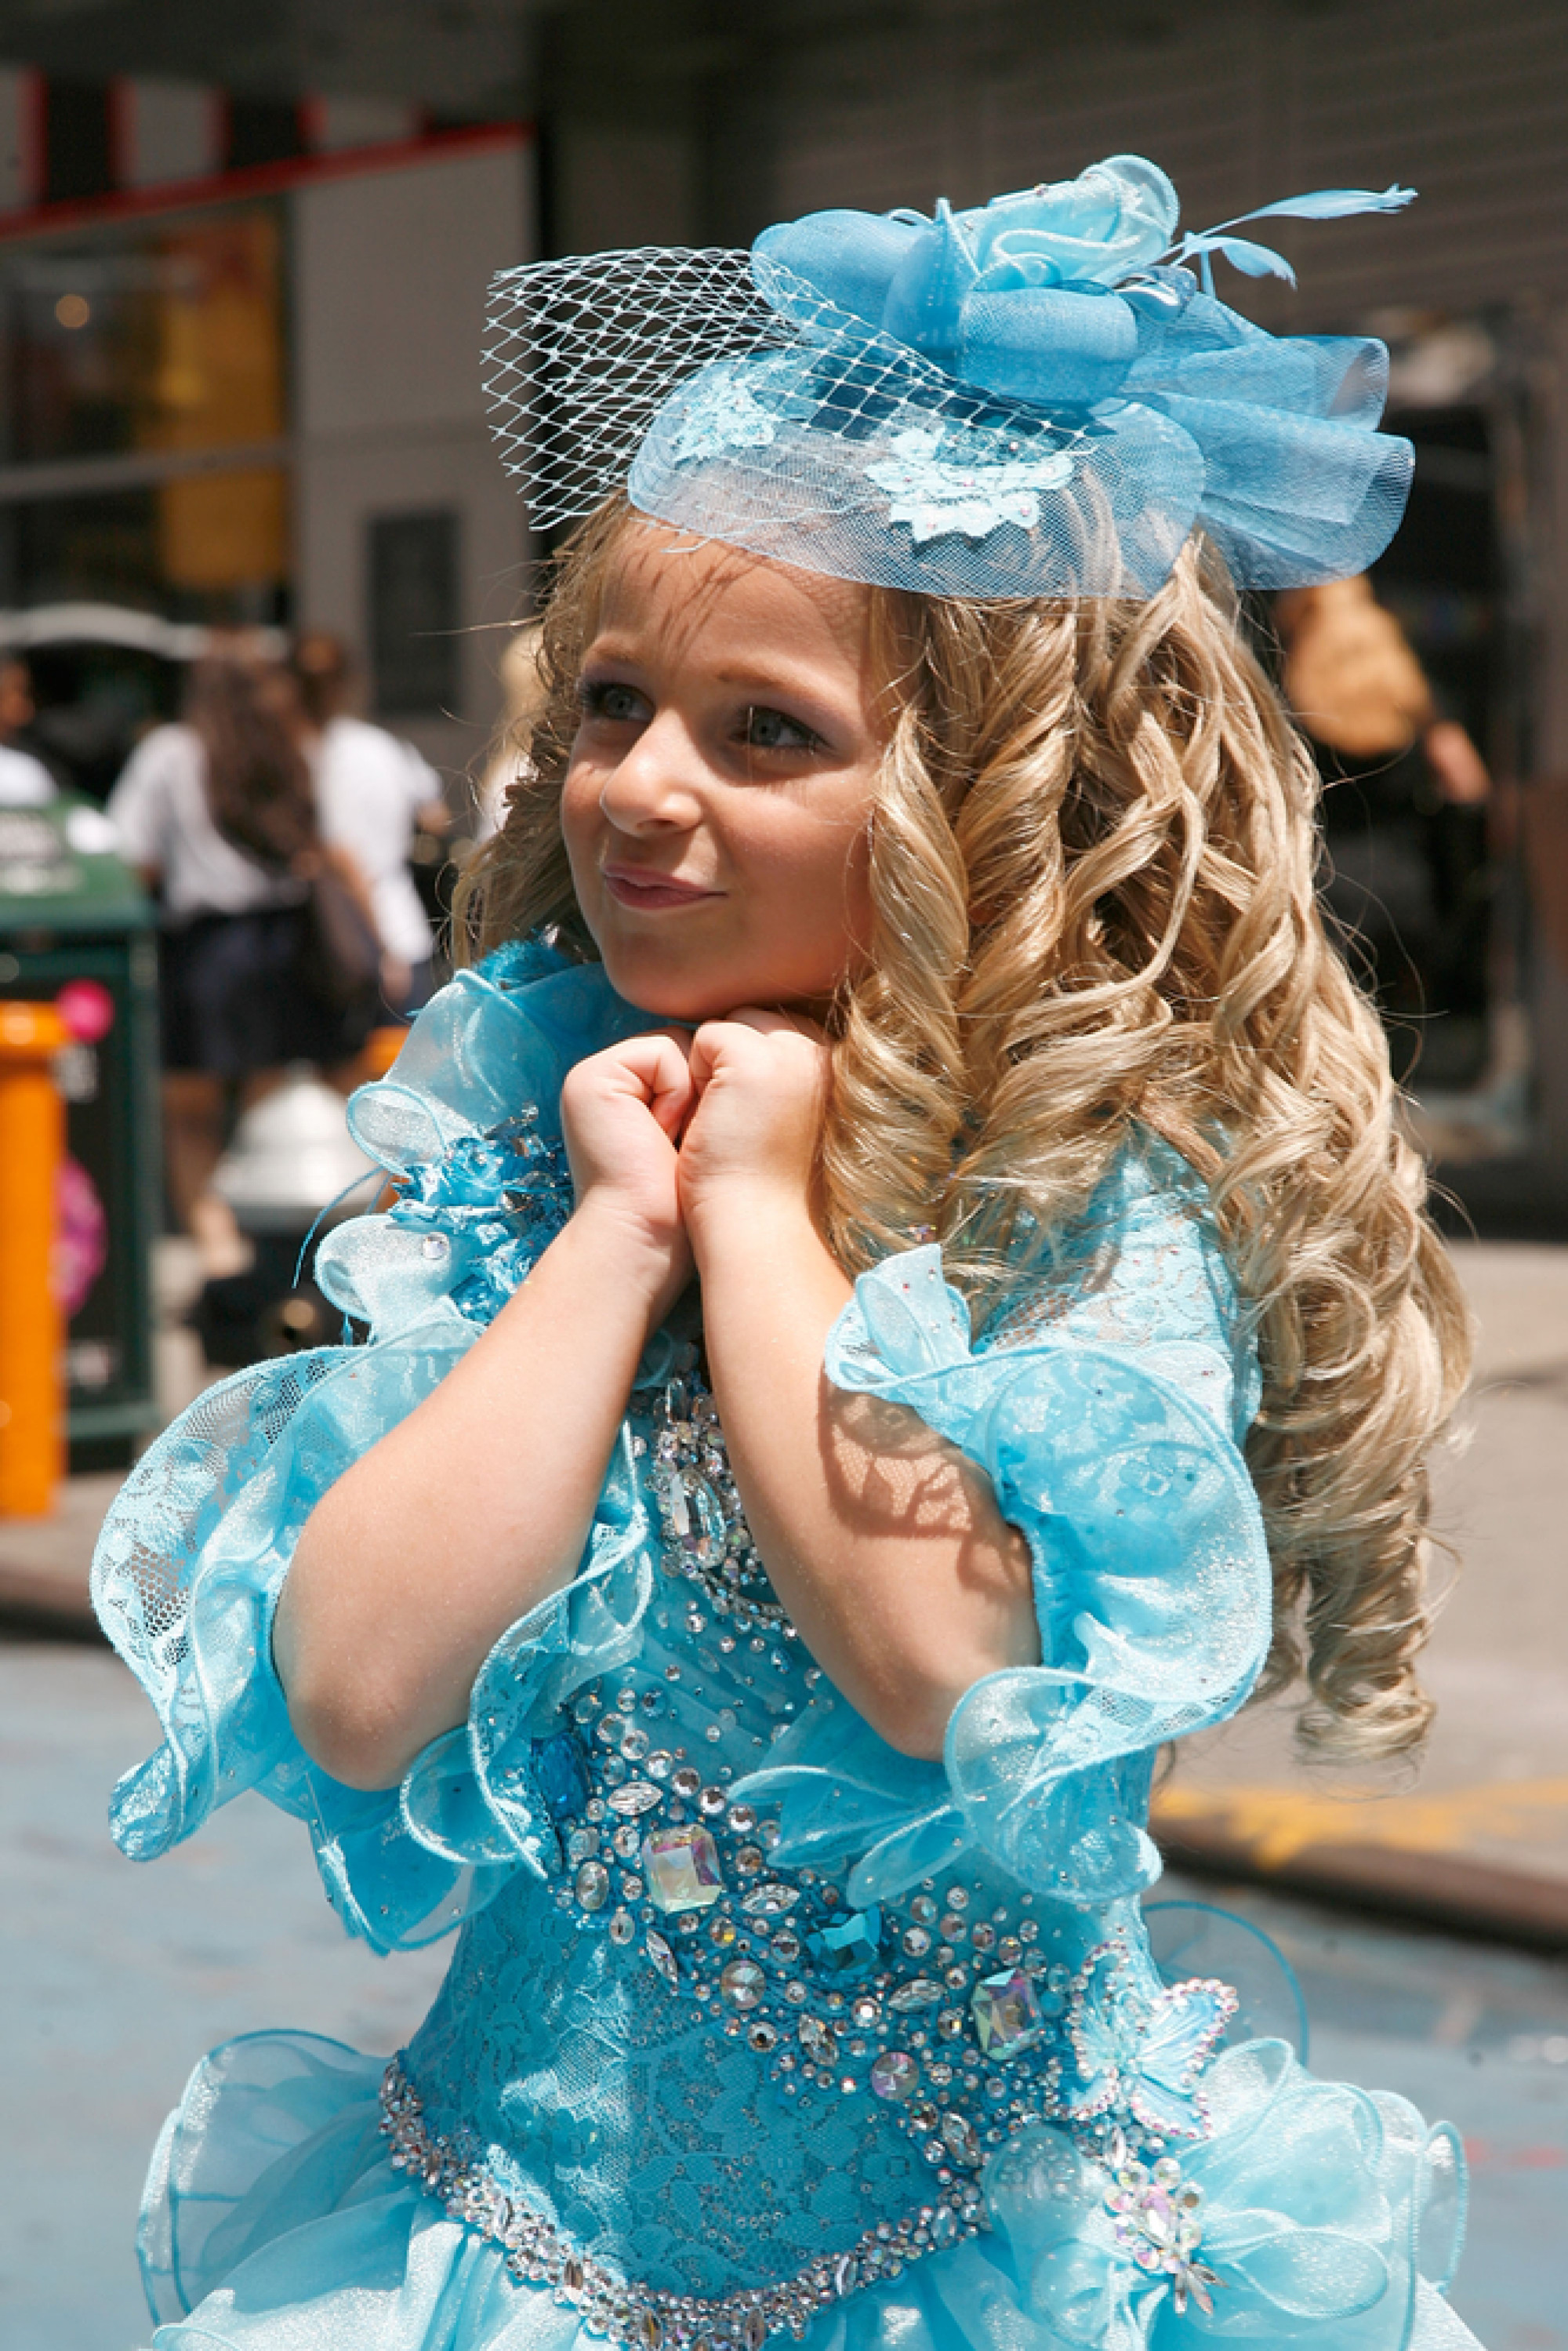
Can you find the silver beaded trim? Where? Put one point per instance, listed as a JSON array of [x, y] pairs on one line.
[[707, 1540], [645, 2318]]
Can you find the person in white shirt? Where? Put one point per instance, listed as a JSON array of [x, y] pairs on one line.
[[219, 816], [25, 781], [373, 791]]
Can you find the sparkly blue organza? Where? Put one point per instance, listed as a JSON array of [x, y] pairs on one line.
[[1107, 1404], [195, 1551], [1037, 397], [1152, 1575], [274, 2215]]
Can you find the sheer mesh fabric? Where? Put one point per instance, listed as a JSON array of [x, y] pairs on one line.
[[581, 355]]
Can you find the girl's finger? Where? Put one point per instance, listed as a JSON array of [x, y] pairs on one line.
[[767, 1021], [706, 1048], [657, 1063], [672, 1105]]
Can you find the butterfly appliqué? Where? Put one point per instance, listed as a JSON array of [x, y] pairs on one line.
[[1138, 2054]]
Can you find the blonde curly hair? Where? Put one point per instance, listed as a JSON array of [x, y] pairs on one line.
[[1092, 865]]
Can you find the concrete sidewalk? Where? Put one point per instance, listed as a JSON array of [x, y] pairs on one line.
[[1482, 1836], [1479, 1841]]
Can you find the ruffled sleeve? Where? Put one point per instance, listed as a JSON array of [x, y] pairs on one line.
[[196, 1547], [1116, 1457]]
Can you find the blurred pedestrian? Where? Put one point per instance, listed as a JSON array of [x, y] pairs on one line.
[[218, 814], [373, 792], [1405, 821], [25, 781]]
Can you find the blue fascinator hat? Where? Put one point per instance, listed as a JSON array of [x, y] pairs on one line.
[[1040, 397]]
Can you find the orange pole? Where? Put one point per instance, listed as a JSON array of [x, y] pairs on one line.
[[32, 1327], [381, 1048]]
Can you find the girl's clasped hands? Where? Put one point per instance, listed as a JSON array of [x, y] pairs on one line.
[[674, 1132]]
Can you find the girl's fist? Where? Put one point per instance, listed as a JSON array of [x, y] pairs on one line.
[[621, 1114], [760, 1084]]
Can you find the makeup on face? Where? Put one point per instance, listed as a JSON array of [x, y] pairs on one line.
[[717, 803]]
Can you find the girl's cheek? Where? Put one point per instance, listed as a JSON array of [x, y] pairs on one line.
[[579, 814]]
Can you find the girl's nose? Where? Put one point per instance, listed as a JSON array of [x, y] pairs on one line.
[[653, 787]]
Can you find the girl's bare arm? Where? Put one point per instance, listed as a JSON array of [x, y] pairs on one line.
[[479, 1504], [881, 1540]]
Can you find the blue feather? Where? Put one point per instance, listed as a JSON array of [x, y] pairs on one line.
[[1330, 203], [1260, 260], [1252, 260]]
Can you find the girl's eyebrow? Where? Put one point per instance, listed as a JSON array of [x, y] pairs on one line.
[[760, 682], [606, 648], [763, 681]]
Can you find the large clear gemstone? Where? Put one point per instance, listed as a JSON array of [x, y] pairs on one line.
[[682, 1869], [592, 1884], [770, 1899], [819, 2040], [921, 1993], [636, 1796], [1006, 2013], [742, 1983], [895, 2073]]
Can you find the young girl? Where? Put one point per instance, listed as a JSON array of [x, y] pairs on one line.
[[905, 1291]]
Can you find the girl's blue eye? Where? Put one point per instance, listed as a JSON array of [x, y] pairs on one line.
[[620, 706], [770, 730]]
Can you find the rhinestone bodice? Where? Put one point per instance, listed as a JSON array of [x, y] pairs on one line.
[[678, 2015]]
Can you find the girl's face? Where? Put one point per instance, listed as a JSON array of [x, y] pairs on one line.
[[716, 806]]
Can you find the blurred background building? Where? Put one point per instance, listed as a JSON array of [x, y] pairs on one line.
[[243, 254], [239, 385]]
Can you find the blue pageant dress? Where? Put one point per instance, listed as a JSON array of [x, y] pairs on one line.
[[753, 2025]]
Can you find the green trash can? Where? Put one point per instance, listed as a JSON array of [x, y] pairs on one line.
[[71, 910]]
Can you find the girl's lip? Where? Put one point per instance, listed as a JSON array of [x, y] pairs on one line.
[[630, 886]]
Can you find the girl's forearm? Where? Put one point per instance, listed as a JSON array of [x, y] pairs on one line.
[[883, 1541], [466, 1514]]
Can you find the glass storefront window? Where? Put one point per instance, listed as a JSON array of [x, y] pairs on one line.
[[170, 339], [167, 342]]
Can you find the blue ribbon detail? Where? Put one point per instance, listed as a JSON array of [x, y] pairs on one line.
[[1075, 301]]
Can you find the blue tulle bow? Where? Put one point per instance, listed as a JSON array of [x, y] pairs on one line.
[[1075, 302], [1316, 2214], [1012, 297]]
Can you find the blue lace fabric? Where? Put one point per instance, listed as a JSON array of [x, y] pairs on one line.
[[753, 2025]]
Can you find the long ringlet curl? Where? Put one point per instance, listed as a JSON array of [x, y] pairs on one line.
[[1093, 865]]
